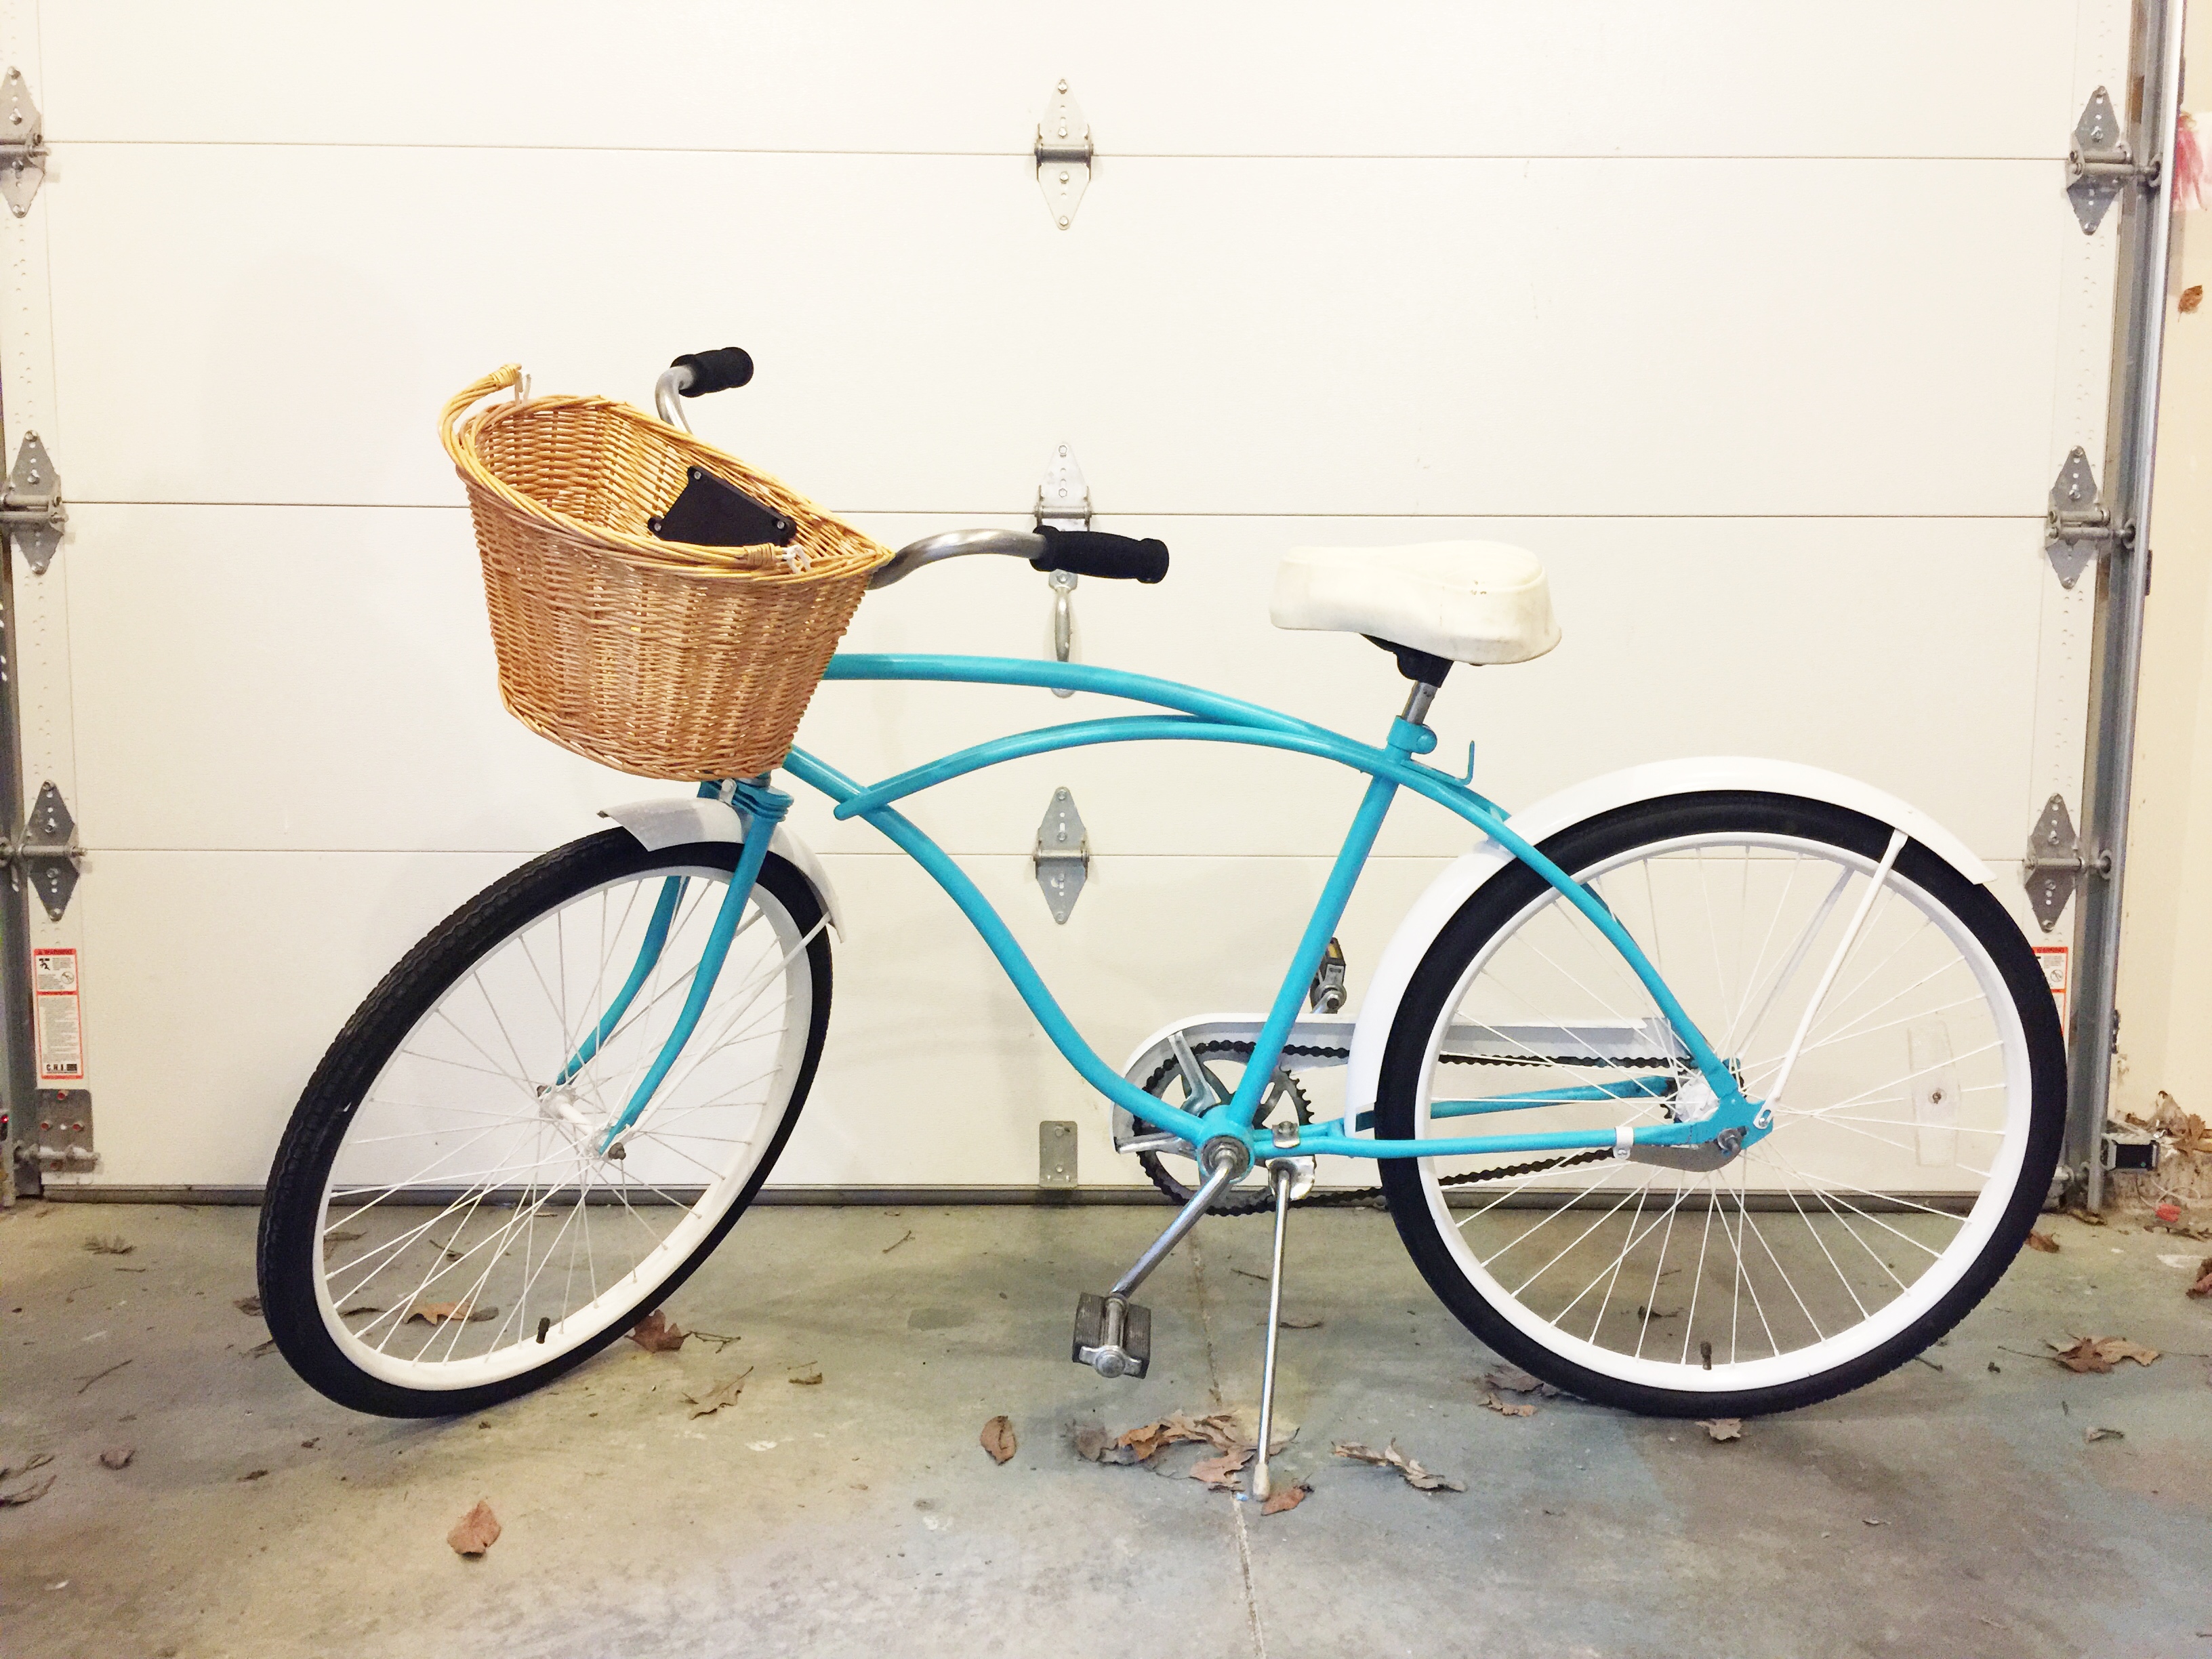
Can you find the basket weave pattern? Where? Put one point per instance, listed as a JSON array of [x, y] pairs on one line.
[[656, 658]]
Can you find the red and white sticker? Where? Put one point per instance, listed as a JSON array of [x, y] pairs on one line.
[[2051, 958], [55, 1018]]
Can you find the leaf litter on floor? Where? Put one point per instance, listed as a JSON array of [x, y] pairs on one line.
[[110, 1245], [1219, 1473], [2044, 1241], [657, 1333], [448, 1313], [249, 1305], [1286, 1497], [998, 1438], [1390, 1457], [1225, 1432], [475, 1532], [712, 1399], [2094, 1354], [1722, 1428]]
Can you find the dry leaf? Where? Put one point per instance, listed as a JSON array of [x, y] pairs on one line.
[[39, 1460], [1511, 1379], [2191, 297], [998, 1437], [808, 1378], [344, 1235], [1286, 1497], [254, 1474], [1094, 1445], [2100, 1353], [721, 1394], [1391, 1457], [1220, 1473], [2091, 1437], [109, 1246], [1291, 1324], [2203, 1285], [2082, 1357], [2087, 1217], [447, 1313], [475, 1532], [248, 1305], [2043, 1242], [1508, 1407], [1722, 1428], [22, 1495], [655, 1333], [117, 1457], [266, 1346]]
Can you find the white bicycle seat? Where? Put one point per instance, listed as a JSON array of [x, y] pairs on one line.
[[1474, 602]]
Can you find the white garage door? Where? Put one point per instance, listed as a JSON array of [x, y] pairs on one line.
[[1767, 327]]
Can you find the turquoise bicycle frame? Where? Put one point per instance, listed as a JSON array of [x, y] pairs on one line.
[[1203, 717]]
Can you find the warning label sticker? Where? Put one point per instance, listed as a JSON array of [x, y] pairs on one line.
[[2051, 958], [55, 1020]]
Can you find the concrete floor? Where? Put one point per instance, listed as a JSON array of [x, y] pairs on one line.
[[860, 1515]]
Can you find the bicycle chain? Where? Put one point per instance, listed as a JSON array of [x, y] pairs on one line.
[[1357, 1195]]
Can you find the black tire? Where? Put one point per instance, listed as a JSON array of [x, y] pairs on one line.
[[1614, 835], [287, 1251]]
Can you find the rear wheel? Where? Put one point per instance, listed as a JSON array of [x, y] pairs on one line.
[[447, 1224], [1912, 1145]]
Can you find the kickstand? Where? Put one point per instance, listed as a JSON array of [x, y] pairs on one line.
[[1284, 1176]]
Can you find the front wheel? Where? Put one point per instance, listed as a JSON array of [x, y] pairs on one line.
[[448, 1224], [1911, 1148]]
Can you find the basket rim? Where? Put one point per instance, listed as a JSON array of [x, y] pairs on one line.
[[763, 562]]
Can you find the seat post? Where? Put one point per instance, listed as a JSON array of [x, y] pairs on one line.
[[1417, 702]]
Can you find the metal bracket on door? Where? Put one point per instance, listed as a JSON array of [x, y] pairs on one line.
[[1063, 856], [48, 852], [1064, 503], [2077, 527], [1063, 155], [22, 144], [30, 510], [63, 1145], [2054, 864], [2100, 165]]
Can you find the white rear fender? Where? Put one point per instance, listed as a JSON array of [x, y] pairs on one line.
[[679, 820], [1573, 805]]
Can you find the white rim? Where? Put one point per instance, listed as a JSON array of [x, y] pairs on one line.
[[1937, 1278], [415, 1361]]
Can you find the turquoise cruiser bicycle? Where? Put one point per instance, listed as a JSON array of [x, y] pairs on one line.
[[1712, 1087]]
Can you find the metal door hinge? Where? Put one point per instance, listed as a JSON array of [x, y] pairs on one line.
[[64, 1131], [1063, 856], [2054, 864], [2100, 165], [22, 144], [47, 851], [30, 510], [1063, 155], [1064, 503], [2077, 527], [1055, 1153]]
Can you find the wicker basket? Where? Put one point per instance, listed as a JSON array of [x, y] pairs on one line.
[[657, 658]]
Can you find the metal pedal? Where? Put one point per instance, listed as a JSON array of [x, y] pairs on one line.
[[1113, 1335]]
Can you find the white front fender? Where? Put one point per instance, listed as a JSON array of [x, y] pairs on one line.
[[679, 820], [1571, 806]]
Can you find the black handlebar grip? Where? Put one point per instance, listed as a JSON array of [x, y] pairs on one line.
[[715, 371], [1095, 553]]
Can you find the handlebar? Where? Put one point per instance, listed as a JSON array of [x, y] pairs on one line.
[[695, 375], [1084, 552]]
